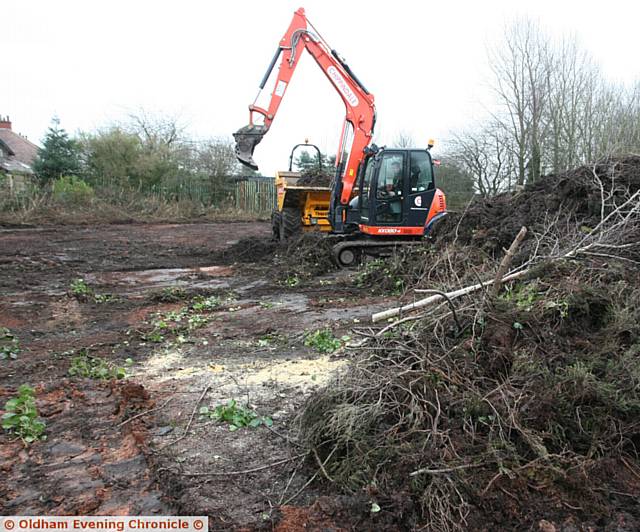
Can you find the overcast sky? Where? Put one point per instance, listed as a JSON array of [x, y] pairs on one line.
[[93, 62]]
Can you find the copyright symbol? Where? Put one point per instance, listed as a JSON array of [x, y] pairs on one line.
[[9, 524], [197, 524]]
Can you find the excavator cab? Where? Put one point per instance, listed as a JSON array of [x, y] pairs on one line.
[[397, 193]]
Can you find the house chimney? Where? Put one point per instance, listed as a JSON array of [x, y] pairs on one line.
[[5, 123]]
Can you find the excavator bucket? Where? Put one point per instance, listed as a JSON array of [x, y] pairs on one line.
[[247, 138]]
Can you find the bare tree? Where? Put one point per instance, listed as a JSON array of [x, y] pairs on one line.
[[486, 155], [404, 140], [216, 159], [572, 79], [521, 70], [156, 130]]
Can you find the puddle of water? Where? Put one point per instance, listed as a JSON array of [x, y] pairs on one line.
[[166, 276]]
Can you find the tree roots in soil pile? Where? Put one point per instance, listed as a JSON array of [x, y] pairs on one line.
[[524, 410]]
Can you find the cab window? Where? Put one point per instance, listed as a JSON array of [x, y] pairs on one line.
[[364, 192], [421, 173], [390, 175]]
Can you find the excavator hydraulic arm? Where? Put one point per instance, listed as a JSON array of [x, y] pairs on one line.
[[359, 122]]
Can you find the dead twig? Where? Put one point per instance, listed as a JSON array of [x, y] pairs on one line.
[[295, 495], [193, 414], [245, 471], [428, 471], [324, 471], [146, 412]]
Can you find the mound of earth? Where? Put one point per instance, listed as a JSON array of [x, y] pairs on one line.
[[572, 198], [304, 256], [519, 410]]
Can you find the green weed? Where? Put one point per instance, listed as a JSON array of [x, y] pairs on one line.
[[292, 280], [235, 415], [21, 416], [324, 341], [80, 288], [200, 303], [523, 295], [103, 298], [82, 291], [98, 368], [171, 294], [9, 344], [376, 269]]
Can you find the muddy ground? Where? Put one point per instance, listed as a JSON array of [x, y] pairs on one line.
[[246, 343]]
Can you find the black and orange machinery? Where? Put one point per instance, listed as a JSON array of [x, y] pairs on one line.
[[380, 198]]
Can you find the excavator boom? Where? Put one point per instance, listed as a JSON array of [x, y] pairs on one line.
[[358, 101]]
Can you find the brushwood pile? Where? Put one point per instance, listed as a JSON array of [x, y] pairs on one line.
[[521, 410]]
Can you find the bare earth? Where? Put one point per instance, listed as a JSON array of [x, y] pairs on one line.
[[249, 348]]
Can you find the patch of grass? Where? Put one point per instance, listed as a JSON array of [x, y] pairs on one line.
[[98, 368], [323, 341], [21, 416], [235, 415], [9, 344]]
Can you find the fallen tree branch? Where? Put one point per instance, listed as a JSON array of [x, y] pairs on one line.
[[450, 303], [390, 313], [506, 261], [324, 471], [295, 495]]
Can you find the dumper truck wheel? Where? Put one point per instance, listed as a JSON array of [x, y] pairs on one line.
[[276, 222], [291, 223]]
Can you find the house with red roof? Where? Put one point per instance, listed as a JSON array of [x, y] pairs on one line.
[[17, 154]]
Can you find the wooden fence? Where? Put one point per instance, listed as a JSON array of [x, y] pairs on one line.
[[255, 196]]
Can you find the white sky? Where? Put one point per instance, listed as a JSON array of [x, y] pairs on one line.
[[92, 62]]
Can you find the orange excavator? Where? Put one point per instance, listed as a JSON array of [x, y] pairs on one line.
[[380, 198]]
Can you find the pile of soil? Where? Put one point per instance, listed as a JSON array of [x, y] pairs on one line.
[[523, 412], [557, 200], [314, 177], [249, 249], [304, 256]]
